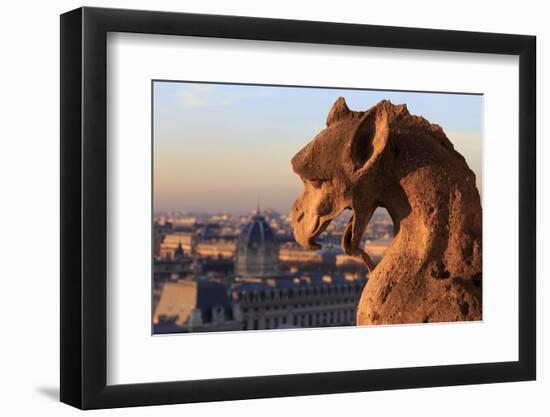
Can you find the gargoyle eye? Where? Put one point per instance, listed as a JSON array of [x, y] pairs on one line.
[[318, 182]]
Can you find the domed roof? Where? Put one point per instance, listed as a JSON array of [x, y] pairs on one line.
[[257, 249], [257, 232]]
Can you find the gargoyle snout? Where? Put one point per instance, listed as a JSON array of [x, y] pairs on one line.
[[297, 213]]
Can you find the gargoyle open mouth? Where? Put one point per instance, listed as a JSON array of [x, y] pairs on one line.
[[319, 228], [351, 249]]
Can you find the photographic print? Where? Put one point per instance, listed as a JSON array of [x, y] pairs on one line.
[[203, 202], [283, 207]]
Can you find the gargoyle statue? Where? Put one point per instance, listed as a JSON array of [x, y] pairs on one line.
[[386, 157]]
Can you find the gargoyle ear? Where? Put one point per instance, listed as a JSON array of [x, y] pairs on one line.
[[338, 111], [369, 139]]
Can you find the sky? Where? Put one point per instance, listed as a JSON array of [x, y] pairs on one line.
[[224, 147]]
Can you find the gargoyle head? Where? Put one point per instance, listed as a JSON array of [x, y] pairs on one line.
[[340, 170]]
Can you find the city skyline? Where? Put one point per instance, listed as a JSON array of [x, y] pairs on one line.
[[221, 148]]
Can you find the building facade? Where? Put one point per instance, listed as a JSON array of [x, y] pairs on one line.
[[293, 302], [257, 253]]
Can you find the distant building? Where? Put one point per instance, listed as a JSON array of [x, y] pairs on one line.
[[310, 301], [174, 268], [257, 253], [216, 249], [195, 306], [258, 304], [377, 248], [293, 254], [171, 241]]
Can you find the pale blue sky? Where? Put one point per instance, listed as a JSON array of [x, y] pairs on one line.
[[221, 147]]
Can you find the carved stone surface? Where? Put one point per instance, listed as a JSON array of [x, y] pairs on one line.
[[386, 157]]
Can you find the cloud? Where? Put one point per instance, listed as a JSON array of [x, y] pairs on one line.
[[207, 95], [194, 99]]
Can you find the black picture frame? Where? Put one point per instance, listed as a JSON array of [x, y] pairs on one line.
[[84, 207]]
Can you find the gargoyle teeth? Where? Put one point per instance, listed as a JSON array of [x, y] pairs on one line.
[[319, 228]]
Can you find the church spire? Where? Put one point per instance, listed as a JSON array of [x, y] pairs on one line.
[[178, 253]]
